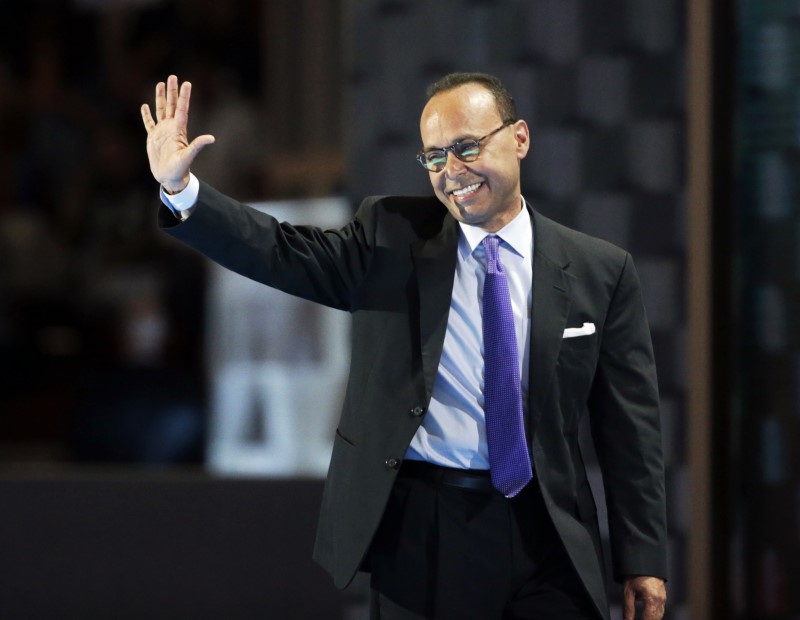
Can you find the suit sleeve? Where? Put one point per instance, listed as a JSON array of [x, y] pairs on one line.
[[325, 266], [625, 425]]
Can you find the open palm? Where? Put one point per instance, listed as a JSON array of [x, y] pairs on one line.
[[168, 147]]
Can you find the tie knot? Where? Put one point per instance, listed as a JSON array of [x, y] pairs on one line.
[[491, 243]]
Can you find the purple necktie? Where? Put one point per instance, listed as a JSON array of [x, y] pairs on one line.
[[509, 461]]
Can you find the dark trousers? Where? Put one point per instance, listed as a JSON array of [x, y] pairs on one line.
[[446, 552]]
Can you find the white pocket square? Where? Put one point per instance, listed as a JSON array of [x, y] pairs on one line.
[[586, 330]]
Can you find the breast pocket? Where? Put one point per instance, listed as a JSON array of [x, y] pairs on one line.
[[579, 343], [576, 365]]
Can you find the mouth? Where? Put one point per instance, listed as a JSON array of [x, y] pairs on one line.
[[466, 192]]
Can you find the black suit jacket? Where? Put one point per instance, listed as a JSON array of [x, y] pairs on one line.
[[392, 267]]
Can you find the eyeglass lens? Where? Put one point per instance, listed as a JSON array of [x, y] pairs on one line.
[[467, 150]]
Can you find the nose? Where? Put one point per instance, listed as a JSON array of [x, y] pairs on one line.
[[454, 165]]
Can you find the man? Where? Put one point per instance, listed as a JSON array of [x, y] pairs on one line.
[[482, 334]]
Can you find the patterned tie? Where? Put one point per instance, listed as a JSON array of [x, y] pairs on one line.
[[509, 460]]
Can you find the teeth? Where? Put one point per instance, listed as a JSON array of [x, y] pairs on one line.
[[466, 190]]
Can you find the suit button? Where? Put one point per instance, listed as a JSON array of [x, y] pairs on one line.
[[417, 411], [392, 463]]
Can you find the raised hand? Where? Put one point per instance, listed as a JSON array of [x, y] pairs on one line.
[[168, 147]]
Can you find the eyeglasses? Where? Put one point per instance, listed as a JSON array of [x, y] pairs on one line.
[[434, 160]]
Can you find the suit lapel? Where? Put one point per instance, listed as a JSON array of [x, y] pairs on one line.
[[551, 304], [435, 266]]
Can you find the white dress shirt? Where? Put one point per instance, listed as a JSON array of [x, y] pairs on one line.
[[453, 432]]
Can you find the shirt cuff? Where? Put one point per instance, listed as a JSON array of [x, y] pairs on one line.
[[184, 201]]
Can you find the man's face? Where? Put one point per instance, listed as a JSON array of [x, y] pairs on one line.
[[485, 192]]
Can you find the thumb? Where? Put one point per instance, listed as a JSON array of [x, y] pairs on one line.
[[629, 604], [199, 143]]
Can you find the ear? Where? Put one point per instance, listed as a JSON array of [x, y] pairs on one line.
[[522, 137]]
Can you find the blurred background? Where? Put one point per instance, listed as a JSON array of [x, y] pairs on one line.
[[155, 460]]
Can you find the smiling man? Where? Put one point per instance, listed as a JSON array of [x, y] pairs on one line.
[[484, 192], [483, 334]]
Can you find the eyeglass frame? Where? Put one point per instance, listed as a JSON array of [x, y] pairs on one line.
[[452, 148]]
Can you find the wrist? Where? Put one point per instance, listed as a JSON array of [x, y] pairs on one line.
[[175, 188]]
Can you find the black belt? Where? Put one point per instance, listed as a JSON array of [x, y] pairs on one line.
[[471, 479]]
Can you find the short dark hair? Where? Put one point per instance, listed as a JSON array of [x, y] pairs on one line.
[[502, 97]]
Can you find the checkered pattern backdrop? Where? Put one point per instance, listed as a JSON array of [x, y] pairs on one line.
[[602, 87]]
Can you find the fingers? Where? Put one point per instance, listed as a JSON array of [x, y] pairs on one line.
[[161, 102], [147, 118], [169, 103], [182, 105], [172, 95]]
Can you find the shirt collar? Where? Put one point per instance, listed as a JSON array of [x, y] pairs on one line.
[[517, 234]]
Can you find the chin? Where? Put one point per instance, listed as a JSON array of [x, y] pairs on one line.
[[471, 219]]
